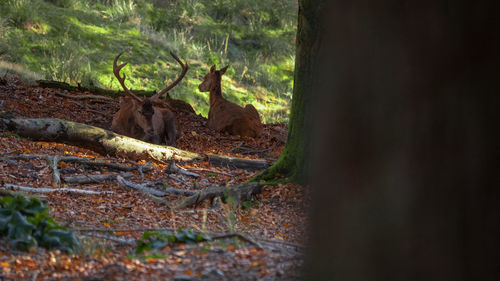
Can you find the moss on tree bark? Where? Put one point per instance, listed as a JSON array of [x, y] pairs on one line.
[[293, 163]]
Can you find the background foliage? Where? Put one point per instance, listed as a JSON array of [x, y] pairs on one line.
[[76, 41]]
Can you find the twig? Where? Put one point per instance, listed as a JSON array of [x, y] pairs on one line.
[[237, 146], [50, 190]]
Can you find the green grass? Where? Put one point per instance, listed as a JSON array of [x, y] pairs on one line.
[[76, 41]]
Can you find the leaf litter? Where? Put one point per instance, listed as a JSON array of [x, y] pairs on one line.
[[276, 218]]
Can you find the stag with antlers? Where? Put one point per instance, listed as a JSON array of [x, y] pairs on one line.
[[148, 119], [226, 116]]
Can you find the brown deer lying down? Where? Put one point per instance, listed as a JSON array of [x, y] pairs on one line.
[[148, 119], [224, 115]]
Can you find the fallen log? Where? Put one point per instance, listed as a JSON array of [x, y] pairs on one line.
[[108, 143]]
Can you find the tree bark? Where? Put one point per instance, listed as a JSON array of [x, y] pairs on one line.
[[294, 160], [406, 155], [108, 143]]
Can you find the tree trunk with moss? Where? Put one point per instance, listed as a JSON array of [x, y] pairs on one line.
[[293, 163]]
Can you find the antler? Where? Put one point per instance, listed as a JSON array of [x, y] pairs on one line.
[[116, 72], [169, 87]]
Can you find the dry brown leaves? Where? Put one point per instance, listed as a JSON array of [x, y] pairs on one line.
[[279, 215]]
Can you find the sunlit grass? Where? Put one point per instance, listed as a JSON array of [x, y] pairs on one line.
[[76, 41]]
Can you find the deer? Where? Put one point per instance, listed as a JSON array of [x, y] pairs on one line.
[[226, 116], [148, 118]]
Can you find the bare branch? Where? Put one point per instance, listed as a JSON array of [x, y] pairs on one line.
[[50, 190]]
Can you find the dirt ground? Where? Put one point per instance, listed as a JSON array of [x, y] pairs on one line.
[[276, 219]]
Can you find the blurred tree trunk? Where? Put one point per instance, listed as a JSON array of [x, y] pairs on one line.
[[294, 160], [406, 158]]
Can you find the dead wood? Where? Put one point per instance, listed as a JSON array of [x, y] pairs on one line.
[[5, 192], [237, 163], [93, 178], [108, 143], [53, 162], [173, 168], [99, 91], [99, 162], [80, 97], [150, 192], [50, 190], [240, 192], [178, 180]]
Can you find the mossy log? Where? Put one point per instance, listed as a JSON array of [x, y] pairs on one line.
[[108, 143]]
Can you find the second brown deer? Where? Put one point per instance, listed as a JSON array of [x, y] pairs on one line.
[[148, 119], [226, 116]]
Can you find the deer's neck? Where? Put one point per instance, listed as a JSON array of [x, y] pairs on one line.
[[216, 93]]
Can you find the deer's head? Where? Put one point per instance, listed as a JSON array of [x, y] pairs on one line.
[[212, 80], [148, 119]]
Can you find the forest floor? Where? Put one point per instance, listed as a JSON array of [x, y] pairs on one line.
[[276, 219]]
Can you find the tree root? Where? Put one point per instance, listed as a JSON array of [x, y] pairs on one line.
[[240, 192]]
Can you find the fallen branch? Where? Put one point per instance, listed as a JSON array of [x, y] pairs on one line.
[[240, 192], [50, 190], [5, 192], [176, 191], [172, 168], [237, 163], [93, 178], [178, 179], [66, 86], [85, 161], [150, 192], [80, 97], [108, 143]]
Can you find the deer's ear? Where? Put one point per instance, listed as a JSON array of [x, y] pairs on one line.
[[212, 69], [223, 70]]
